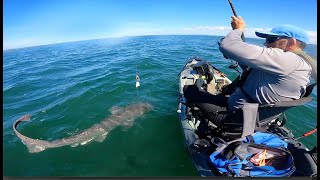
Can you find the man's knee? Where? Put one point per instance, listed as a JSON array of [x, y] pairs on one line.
[[190, 91]]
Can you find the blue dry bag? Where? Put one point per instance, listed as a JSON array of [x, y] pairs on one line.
[[258, 155]]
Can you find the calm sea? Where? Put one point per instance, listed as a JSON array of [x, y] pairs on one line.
[[67, 88]]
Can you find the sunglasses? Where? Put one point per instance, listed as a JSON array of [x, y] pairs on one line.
[[272, 39]]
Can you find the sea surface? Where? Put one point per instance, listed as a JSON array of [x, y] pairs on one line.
[[68, 87]]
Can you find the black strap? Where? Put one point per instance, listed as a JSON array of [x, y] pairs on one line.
[[250, 138], [258, 127], [284, 119], [309, 90], [244, 76], [229, 150], [242, 79]]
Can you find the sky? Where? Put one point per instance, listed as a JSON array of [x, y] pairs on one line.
[[39, 22]]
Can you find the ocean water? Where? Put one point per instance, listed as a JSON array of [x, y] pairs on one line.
[[68, 87]]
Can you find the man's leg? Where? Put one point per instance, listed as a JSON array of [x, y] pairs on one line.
[[194, 95], [208, 103]]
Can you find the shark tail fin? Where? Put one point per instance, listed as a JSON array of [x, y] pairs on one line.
[[24, 118]]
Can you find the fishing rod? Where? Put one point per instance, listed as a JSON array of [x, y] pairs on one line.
[[235, 14], [307, 133], [235, 64]]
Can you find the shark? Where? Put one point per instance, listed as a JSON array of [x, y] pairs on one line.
[[98, 132]]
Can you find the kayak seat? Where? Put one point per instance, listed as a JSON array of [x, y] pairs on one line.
[[250, 117], [254, 117], [247, 119]]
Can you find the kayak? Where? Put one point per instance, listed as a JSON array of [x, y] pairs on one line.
[[200, 143]]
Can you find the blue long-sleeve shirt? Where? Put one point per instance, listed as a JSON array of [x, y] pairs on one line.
[[276, 75]]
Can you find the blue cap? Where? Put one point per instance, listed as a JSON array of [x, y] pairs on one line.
[[288, 31]]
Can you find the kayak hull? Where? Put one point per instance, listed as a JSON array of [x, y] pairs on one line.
[[199, 151]]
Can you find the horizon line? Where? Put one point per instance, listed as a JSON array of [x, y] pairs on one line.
[[119, 37]]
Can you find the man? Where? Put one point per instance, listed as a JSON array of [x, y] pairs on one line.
[[278, 72]]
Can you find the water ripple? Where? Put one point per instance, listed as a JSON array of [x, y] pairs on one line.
[[69, 87]]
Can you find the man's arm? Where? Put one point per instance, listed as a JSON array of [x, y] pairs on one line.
[[268, 59]]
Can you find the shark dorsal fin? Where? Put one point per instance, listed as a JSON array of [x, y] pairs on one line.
[[115, 109]]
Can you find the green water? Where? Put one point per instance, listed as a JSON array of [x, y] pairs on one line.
[[67, 88]]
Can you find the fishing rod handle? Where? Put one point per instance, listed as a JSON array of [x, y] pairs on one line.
[[310, 132]]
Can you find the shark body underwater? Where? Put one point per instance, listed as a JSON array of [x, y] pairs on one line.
[[97, 132]]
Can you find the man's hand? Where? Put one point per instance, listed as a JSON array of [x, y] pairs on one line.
[[238, 23]]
